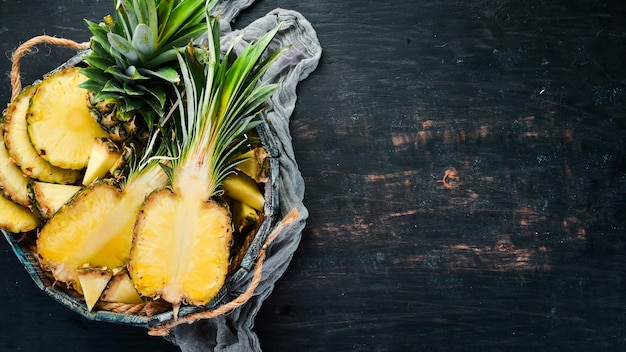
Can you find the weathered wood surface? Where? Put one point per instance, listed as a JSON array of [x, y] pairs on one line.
[[521, 247]]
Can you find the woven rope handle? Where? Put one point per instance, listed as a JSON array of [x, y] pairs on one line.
[[16, 79], [164, 329]]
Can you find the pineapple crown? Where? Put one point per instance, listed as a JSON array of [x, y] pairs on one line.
[[133, 58]]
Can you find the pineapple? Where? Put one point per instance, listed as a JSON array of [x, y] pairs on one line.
[[254, 164], [243, 188], [132, 67], [13, 183], [48, 198], [22, 151], [185, 261], [104, 156], [16, 218], [133, 62], [59, 124], [121, 290], [93, 281], [96, 227]]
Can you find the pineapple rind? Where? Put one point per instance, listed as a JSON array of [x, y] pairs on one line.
[[181, 249], [59, 123], [22, 152]]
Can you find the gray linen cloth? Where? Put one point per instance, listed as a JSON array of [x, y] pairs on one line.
[[233, 331]]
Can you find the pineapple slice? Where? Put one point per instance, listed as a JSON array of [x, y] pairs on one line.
[[16, 218], [244, 216], [59, 123], [22, 151], [104, 156], [255, 164], [121, 290], [243, 188], [48, 198], [93, 281], [13, 183], [178, 259]]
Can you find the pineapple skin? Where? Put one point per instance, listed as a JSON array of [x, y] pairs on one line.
[[181, 248]]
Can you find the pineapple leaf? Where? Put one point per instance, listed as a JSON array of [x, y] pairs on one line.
[[143, 41], [123, 46], [166, 73]]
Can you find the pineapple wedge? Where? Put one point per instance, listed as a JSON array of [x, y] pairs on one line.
[[93, 281], [243, 188], [22, 151], [244, 216], [48, 198], [16, 218], [121, 290], [13, 183], [104, 156], [255, 164], [60, 125]]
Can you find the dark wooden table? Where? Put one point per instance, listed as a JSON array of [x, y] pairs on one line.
[[465, 165]]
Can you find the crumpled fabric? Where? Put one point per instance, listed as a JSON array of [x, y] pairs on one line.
[[233, 331]]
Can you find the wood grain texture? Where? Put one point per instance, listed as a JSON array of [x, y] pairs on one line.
[[522, 248]]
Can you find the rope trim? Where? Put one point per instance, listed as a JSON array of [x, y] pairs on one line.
[[163, 330], [16, 79]]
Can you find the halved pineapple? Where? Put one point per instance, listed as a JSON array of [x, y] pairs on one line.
[[243, 188], [16, 218], [48, 198], [104, 156], [59, 123], [93, 281], [13, 183], [181, 248], [22, 151]]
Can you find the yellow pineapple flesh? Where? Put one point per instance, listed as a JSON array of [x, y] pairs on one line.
[[16, 218], [93, 281], [59, 123], [181, 248], [13, 183], [244, 189], [22, 152], [96, 227], [121, 290], [48, 198], [104, 155]]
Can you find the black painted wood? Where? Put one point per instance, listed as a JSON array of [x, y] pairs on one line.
[[522, 248]]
